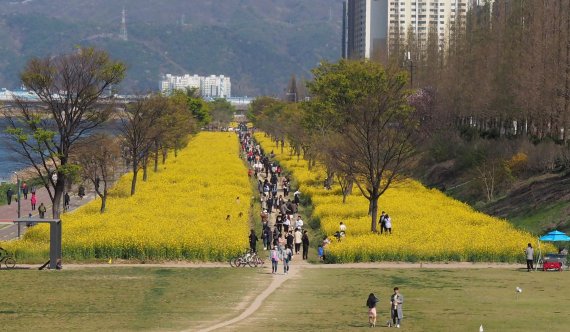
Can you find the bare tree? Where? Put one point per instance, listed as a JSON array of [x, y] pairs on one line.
[[98, 156], [139, 130], [69, 88]]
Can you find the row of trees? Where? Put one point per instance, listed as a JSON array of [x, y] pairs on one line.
[[505, 70], [64, 138], [497, 92], [358, 123]]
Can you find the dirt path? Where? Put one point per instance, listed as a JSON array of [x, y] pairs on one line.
[[278, 280]]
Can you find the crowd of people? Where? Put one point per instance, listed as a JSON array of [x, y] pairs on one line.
[[283, 231]]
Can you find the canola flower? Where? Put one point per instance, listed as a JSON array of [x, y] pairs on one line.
[[178, 214], [426, 224]]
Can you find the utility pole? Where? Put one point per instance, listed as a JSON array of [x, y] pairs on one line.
[[123, 35]]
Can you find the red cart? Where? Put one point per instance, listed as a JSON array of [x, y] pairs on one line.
[[553, 262]]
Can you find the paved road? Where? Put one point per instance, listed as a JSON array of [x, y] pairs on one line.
[[10, 212]]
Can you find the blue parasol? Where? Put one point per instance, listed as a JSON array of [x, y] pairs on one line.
[[555, 236]]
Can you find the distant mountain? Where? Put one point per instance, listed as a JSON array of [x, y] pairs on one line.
[[258, 43]]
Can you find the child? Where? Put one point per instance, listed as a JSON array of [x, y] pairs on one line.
[[321, 253]]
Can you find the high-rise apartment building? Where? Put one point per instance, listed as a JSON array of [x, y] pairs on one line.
[[209, 86], [374, 26]]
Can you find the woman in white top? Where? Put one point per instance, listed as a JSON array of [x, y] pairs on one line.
[[388, 222]]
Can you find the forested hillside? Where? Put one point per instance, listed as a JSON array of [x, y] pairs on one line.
[[258, 43]]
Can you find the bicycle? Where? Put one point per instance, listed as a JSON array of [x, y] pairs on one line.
[[249, 258], [7, 259]]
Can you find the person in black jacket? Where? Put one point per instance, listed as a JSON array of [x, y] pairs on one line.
[[290, 239], [371, 304], [305, 239], [253, 241], [9, 194]]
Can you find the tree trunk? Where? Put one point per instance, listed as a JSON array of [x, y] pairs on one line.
[[164, 155], [155, 156], [374, 212], [103, 201], [145, 169], [135, 173], [58, 194]]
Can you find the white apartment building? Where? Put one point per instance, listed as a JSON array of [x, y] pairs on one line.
[[372, 26], [216, 86], [210, 86]]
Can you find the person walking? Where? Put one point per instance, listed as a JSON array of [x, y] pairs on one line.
[[267, 237], [81, 191], [33, 201], [305, 240], [253, 241], [298, 240], [371, 304], [66, 200], [382, 222], [396, 312], [388, 223], [286, 223], [9, 194], [274, 257], [529, 252], [42, 210], [299, 223], [287, 256], [290, 239], [25, 190]]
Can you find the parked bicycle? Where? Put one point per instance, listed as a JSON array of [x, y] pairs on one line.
[[249, 258], [7, 259]]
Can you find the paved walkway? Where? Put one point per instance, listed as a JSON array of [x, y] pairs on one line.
[[10, 212]]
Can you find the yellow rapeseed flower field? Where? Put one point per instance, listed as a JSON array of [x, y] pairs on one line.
[[179, 213], [426, 224]]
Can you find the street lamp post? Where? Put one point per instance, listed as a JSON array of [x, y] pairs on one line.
[[411, 70], [19, 197]]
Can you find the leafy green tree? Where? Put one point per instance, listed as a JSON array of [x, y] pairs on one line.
[[374, 140], [198, 106]]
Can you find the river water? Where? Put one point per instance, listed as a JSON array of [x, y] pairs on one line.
[[11, 160]]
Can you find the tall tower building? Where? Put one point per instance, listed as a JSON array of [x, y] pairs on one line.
[[123, 34], [374, 26]]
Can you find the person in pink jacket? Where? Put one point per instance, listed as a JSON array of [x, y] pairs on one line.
[[33, 200]]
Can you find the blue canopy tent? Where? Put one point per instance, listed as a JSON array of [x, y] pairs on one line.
[[554, 236]]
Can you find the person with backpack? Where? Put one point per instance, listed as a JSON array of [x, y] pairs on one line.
[[287, 257], [42, 210], [274, 257]]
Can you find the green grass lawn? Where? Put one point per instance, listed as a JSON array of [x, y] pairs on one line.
[[435, 300], [124, 298]]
